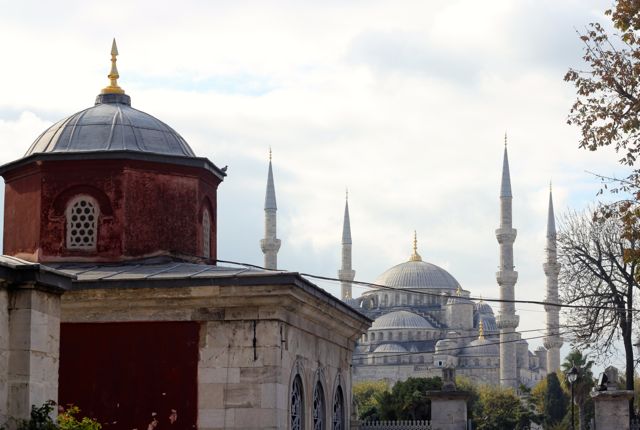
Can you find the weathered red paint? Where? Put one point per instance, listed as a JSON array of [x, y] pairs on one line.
[[122, 373], [146, 208]]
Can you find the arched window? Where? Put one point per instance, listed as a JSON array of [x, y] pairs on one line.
[[338, 410], [82, 223], [318, 408], [297, 404], [206, 234]]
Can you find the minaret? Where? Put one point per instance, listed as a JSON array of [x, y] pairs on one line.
[[553, 341], [270, 244], [507, 319], [346, 273]]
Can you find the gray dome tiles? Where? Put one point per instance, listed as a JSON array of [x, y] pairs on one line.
[[417, 274], [111, 125], [390, 348], [400, 320], [482, 347]]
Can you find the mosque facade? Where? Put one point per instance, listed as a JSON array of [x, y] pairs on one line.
[[424, 320]]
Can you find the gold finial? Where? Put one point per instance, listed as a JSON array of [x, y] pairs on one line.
[[459, 291], [415, 256], [505, 138], [481, 331], [113, 76], [270, 153]]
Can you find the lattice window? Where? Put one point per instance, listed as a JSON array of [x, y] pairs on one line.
[[297, 404], [338, 410], [82, 223], [206, 234], [318, 408]]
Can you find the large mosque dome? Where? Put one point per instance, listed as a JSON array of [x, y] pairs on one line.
[[111, 125], [415, 274]]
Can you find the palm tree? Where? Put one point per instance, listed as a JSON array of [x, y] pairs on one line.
[[584, 383]]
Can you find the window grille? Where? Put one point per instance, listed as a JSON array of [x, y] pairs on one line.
[[338, 410], [82, 223], [318, 408], [297, 404], [206, 234]]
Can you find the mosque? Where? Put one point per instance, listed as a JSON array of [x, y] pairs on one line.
[[424, 320]]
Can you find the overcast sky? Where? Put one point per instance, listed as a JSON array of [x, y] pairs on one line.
[[404, 102]]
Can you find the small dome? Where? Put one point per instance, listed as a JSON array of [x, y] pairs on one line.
[[400, 319], [483, 308], [111, 125], [389, 347], [482, 347], [417, 274], [489, 322]]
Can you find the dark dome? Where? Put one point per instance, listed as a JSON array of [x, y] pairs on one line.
[[111, 125]]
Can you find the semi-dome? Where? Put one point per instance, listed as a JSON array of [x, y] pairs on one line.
[[482, 347], [400, 319], [389, 348], [111, 125]]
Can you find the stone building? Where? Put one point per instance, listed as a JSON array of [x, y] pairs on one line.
[[424, 319], [110, 297]]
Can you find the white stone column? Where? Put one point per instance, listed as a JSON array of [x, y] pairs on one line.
[[270, 245], [507, 320], [552, 341], [346, 274], [34, 345]]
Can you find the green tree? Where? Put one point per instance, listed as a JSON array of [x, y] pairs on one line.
[[366, 395], [500, 408], [555, 401], [407, 400], [583, 385]]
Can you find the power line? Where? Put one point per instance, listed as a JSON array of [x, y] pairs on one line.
[[426, 293], [404, 354]]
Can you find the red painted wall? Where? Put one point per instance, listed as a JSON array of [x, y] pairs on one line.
[[123, 373], [145, 209]]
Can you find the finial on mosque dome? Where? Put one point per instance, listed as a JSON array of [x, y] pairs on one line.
[[481, 330], [415, 256], [113, 76], [459, 291]]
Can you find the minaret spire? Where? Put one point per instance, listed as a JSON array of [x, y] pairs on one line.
[[113, 76], [346, 274], [507, 319], [552, 341], [270, 244]]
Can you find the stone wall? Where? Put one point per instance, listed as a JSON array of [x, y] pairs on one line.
[[4, 353]]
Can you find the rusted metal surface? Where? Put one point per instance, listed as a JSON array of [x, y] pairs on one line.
[[131, 375]]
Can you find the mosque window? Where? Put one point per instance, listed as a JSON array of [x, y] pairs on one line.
[[206, 234], [82, 223], [297, 404], [318, 408], [373, 337], [338, 410]]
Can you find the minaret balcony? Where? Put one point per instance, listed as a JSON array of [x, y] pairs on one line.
[[346, 275], [506, 235], [507, 321], [270, 245], [553, 342], [506, 277]]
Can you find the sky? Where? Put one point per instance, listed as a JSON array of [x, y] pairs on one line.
[[405, 103]]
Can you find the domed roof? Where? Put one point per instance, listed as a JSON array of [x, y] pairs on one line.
[[400, 319], [483, 308], [389, 347], [482, 346], [416, 273], [111, 125], [489, 322]]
